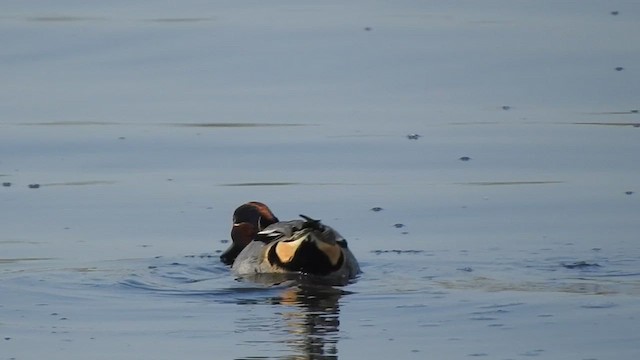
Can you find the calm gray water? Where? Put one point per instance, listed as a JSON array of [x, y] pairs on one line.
[[509, 227]]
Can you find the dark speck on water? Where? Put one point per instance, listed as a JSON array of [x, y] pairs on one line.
[[580, 265], [533, 352], [464, 158], [367, 28], [413, 136], [398, 225], [376, 209], [224, 241], [395, 251], [506, 107], [629, 192], [6, 184], [614, 13], [34, 186], [619, 68], [201, 256], [606, 305]]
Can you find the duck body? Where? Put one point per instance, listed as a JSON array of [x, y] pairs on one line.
[[299, 247], [305, 247]]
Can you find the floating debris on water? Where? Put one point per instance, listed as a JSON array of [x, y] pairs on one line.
[[224, 241], [464, 158], [395, 251], [536, 352], [509, 183], [506, 107], [619, 68], [34, 186], [614, 13], [609, 123], [466, 269], [629, 192], [367, 28], [376, 209], [201, 256], [580, 265], [414, 136], [606, 305], [6, 184], [398, 225]]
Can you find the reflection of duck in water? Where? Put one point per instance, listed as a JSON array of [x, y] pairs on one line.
[[300, 322], [313, 320], [263, 245]]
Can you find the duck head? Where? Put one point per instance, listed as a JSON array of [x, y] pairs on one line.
[[248, 220]]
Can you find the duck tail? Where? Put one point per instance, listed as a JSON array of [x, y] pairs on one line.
[[310, 223]]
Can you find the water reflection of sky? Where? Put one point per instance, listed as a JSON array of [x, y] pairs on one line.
[[418, 63]]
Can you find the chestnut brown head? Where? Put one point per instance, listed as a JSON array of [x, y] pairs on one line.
[[248, 220]]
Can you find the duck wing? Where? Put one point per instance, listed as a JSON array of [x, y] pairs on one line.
[[280, 230]]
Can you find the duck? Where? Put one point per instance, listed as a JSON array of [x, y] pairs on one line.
[[262, 244]]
